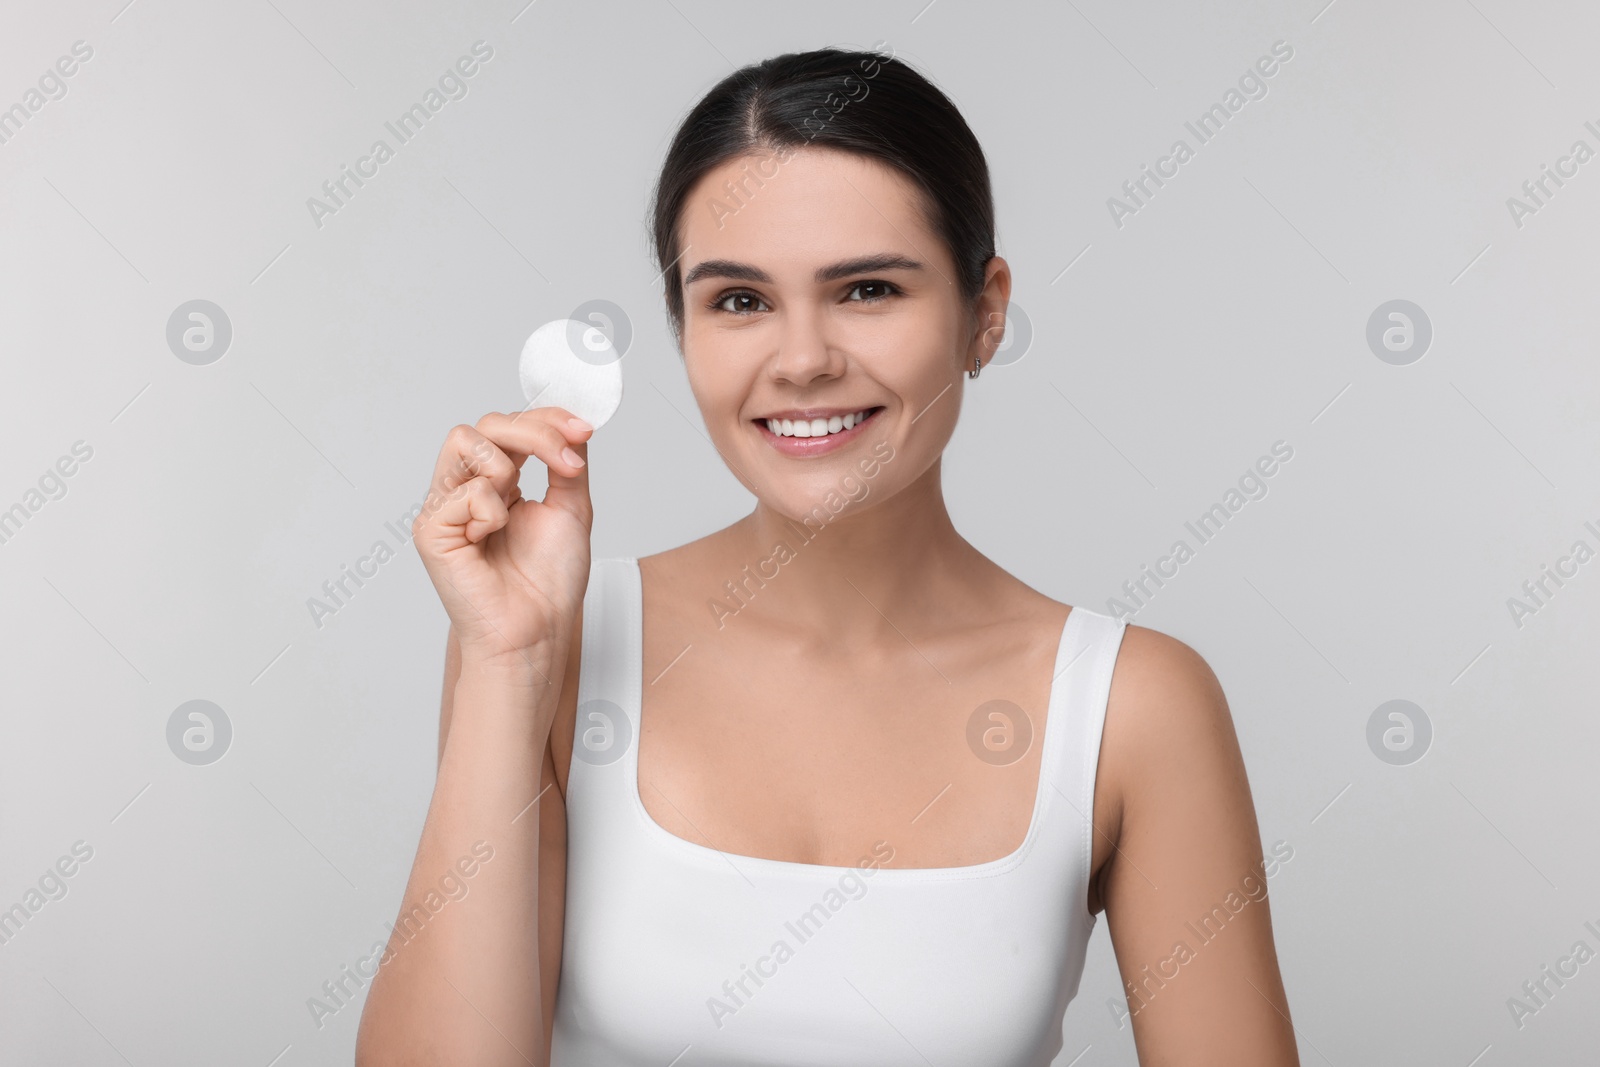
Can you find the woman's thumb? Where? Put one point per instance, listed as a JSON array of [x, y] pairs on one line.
[[570, 492]]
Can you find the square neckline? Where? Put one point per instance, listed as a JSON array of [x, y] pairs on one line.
[[741, 861]]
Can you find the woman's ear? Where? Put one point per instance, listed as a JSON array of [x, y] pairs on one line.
[[989, 312]]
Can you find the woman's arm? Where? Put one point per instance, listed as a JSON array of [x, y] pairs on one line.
[[1185, 888], [452, 674], [460, 981], [551, 809], [462, 978]]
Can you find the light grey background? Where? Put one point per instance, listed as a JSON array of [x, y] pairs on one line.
[[1229, 313]]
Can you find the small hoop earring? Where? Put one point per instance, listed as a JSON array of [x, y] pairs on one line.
[[977, 365]]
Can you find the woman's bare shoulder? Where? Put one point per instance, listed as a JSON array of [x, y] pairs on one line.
[[1168, 733], [1166, 702], [1156, 670]]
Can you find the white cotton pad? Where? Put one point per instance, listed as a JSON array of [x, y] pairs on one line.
[[572, 365]]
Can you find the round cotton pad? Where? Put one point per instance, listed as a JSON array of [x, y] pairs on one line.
[[572, 365]]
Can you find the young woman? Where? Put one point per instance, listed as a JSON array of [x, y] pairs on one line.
[[827, 786]]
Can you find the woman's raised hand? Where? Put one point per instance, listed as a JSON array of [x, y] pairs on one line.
[[511, 572]]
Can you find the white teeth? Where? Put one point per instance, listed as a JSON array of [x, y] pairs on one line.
[[815, 427]]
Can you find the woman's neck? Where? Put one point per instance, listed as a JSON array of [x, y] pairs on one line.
[[857, 574]]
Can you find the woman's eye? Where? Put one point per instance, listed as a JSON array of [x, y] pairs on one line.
[[739, 309], [883, 290]]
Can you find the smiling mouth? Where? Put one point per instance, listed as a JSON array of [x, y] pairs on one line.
[[801, 429]]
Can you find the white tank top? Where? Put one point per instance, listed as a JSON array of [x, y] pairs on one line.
[[678, 954]]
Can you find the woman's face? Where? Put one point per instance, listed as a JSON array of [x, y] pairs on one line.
[[817, 290]]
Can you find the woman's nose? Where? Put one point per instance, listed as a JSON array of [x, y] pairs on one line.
[[806, 348]]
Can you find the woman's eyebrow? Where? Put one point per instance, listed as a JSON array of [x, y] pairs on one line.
[[744, 272]]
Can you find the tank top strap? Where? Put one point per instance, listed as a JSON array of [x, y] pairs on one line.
[[606, 726], [1078, 700]]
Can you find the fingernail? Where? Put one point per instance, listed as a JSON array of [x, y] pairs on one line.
[[579, 425], [572, 457]]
